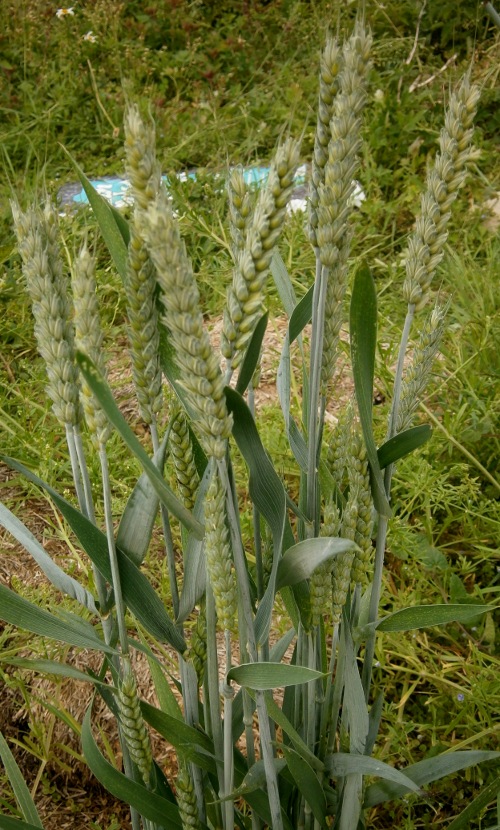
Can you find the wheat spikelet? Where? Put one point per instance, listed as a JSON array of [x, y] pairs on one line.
[[329, 77], [359, 482], [199, 370], [48, 289], [186, 799], [88, 339], [321, 579], [333, 233], [342, 564], [198, 644], [218, 555], [140, 284], [133, 726], [182, 455], [426, 244], [244, 304], [240, 209], [418, 372]]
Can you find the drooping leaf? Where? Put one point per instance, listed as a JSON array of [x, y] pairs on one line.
[[425, 772], [194, 581], [138, 518], [74, 631], [283, 282], [255, 779], [112, 224], [307, 784], [341, 764], [148, 804], [252, 355], [53, 572], [403, 444], [302, 559], [189, 742], [138, 593], [47, 667], [103, 393], [281, 720], [268, 495], [363, 330], [485, 797], [261, 676], [9, 823], [19, 787], [423, 616]]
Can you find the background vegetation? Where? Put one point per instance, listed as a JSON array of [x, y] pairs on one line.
[[224, 80]]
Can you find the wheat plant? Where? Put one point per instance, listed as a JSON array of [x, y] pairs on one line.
[[246, 756]]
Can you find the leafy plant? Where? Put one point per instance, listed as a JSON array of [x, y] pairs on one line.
[[310, 553]]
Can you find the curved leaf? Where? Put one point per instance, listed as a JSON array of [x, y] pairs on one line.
[[19, 788], [112, 224], [103, 393], [191, 743], [148, 804], [138, 593], [485, 797], [299, 561], [53, 572], [252, 355], [138, 518], [422, 616], [74, 631], [272, 675], [9, 823], [427, 771], [307, 784], [343, 763], [363, 330], [53, 667], [403, 444]]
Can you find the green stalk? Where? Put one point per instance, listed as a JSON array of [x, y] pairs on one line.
[[382, 520], [113, 559], [212, 678], [228, 694], [314, 427], [167, 532], [244, 591]]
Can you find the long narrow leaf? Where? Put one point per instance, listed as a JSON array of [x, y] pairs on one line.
[[112, 224], [193, 744], [363, 329], [138, 518], [342, 764], [74, 631], [307, 784], [403, 444], [302, 559], [47, 667], [261, 676], [103, 393], [283, 282], [423, 616], [138, 593], [8, 823], [485, 797], [53, 572], [425, 772], [18, 784], [252, 355]]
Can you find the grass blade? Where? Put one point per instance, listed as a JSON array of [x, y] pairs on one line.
[[425, 772], [261, 676], [103, 393], [53, 572], [299, 561], [74, 631], [402, 444], [19, 787], [422, 616], [363, 328]]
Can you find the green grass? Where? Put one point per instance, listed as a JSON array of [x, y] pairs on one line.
[[223, 83]]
